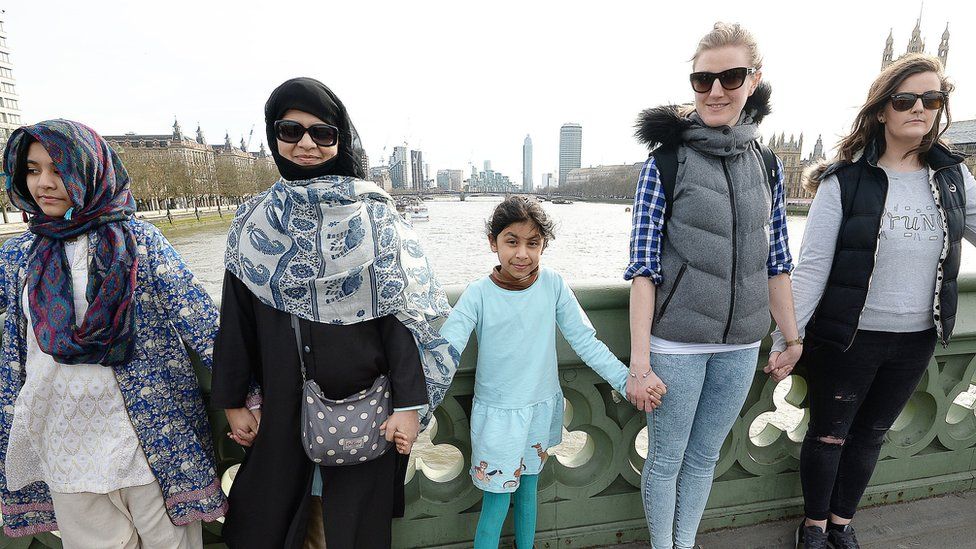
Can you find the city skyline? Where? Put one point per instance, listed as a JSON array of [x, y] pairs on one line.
[[570, 149], [10, 116], [602, 83]]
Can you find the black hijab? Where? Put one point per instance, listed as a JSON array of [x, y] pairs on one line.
[[311, 96]]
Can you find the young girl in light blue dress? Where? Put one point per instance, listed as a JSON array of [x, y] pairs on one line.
[[518, 404]]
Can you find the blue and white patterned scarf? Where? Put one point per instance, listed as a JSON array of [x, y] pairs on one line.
[[334, 249]]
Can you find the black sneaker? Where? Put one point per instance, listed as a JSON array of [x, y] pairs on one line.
[[810, 537], [843, 539]]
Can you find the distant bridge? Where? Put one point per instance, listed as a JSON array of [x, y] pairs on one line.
[[462, 195]]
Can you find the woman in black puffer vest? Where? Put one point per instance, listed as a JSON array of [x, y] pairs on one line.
[[875, 284]]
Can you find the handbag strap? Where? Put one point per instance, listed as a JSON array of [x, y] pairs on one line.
[[298, 339]]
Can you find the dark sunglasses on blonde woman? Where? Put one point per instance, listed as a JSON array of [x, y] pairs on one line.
[[731, 79], [289, 131], [931, 100]]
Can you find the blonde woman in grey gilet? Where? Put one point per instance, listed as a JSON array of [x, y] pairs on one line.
[[709, 262]]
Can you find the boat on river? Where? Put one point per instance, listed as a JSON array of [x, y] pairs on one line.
[[418, 212]]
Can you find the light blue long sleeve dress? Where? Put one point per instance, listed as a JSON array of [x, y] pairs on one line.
[[518, 404]]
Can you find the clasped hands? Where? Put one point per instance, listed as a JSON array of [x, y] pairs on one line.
[[644, 388], [781, 364]]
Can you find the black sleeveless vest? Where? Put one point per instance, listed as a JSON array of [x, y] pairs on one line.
[[864, 188]]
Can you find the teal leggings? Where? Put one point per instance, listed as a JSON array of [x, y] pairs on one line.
[[494, 508]]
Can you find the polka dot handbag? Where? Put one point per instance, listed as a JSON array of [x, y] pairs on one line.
[[346, 431]]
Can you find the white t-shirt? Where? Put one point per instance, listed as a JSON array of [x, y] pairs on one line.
[[666, 347]]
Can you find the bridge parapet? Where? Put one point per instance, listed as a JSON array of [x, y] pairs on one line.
[[590, 495]]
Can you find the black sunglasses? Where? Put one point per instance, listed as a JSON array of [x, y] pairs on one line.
[[731, 79], [289, 131], [931, 100]]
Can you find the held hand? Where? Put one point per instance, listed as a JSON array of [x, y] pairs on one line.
[[636, 391], [655, 388], [402, 428], [771, 363], [403, 443], [787, 360], [244, 425], [781, 364]]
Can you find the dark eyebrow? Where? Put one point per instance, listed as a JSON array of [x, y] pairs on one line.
[[535, 236], [29, 161]]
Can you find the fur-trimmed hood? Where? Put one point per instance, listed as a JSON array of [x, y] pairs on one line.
[[665, 125], [814, 174]]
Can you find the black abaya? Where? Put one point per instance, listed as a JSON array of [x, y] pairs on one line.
[[270, 495]]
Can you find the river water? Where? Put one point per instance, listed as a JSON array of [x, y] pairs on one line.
[[591, 244]]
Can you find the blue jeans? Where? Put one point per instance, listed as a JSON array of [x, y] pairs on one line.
[[684, 437]]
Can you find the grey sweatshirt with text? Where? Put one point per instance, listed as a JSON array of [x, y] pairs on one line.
[[900, 297]]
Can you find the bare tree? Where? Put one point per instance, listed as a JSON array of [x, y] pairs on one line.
[[265, 175], [230, 180], [148, 175], [4, 204], [179, 178]]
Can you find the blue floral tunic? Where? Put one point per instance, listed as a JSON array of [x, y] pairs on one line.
[[159, 387]]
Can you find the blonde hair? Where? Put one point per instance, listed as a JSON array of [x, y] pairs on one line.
[[866, 124], [730, 34]]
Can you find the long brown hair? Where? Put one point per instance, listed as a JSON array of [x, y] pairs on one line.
[[866, 125]]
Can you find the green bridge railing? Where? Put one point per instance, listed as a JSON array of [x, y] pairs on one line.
[[591, 496]]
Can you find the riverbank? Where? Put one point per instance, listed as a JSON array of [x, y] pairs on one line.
[[188, 224], [627, 201], [791, 209], [179, 222]]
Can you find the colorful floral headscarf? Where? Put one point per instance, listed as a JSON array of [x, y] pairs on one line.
[[102, 205]]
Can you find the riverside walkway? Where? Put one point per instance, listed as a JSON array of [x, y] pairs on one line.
[[591, 498], [946, 522]]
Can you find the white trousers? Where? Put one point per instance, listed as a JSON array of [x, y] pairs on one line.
[[130, 518]]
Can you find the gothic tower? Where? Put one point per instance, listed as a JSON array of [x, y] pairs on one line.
[[889, 50], [818, 149], [916, 44], [944, 47]]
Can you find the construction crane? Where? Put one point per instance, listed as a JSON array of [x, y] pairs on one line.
[[249, 136]]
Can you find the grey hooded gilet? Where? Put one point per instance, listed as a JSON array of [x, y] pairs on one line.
[[715, 245]]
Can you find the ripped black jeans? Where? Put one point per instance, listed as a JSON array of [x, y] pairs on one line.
[[855, 397]]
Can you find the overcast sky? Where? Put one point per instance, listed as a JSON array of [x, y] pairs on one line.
[[463, 81]]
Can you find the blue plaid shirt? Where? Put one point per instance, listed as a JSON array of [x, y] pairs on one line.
[[648, 226]]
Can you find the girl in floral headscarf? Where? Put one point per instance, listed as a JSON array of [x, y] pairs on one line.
[[103, 433]]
